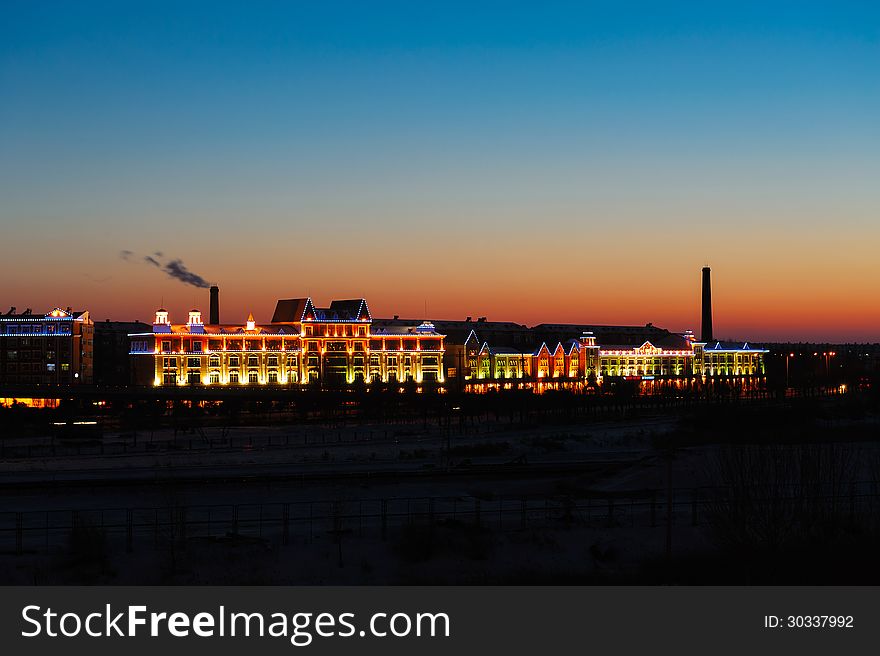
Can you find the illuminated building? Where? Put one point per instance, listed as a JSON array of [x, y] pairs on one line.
[[50, 349], [573, 363], [486, 354], [303, 344], [343, 344]]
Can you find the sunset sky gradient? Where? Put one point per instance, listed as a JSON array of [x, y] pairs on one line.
[[558, 162]]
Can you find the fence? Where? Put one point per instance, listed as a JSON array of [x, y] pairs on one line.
[[302, 522], [203, 440]]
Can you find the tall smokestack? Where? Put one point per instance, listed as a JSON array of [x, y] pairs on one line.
[[706, 332], [214, 314]]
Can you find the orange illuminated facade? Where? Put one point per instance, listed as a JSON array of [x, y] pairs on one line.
[[575, 362], [342, 345], [303, 344]]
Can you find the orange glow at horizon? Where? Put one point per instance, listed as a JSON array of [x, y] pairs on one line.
[[764, 288]]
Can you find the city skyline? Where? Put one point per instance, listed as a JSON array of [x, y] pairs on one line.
[[573, 163]]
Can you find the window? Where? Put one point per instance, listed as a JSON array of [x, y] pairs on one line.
[[166, 345], [273, 376], [253, 361], [253, 377], [214, 377], [197, 347], [65, 367], [193, 363], [233, 361], [233, 376], [214, 361], [273, 360], [50, 367]]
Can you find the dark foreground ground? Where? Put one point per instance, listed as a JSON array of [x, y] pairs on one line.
[[763, 493]]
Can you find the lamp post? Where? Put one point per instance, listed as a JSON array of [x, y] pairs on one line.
[[787, 357]]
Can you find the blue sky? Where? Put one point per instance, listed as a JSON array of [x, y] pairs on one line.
[[247, 138]]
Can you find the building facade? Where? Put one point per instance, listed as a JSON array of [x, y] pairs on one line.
[[55, 348], [302, 345], [652, 355], [112, 364], [343, 344]]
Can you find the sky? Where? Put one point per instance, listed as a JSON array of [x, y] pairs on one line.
[[532, 162]]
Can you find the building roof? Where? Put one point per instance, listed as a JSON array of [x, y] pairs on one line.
[[296, 310], [404, 329], [56, 314], [500, 350], [354, 309], [457, 332], [717, 345], [291, 310]]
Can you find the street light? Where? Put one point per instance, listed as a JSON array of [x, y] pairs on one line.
[[790, 355]]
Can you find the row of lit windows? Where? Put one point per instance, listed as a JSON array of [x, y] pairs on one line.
[[335, 330], [35, 329], [27, 367], [33, 355], [649, 360], [198, 346], [272, 377]]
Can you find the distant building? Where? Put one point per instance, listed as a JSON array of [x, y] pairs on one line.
[[55, 348], [302, 344], [112, 364], [652, 355], [485, 354], [342, 344]]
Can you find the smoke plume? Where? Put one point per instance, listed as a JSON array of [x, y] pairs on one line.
[[174, 268]]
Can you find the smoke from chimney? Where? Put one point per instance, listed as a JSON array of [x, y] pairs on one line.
[[214, 314], [174, 268], [706, 332]]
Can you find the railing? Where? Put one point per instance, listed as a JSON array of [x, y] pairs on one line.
[[303, 522]]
